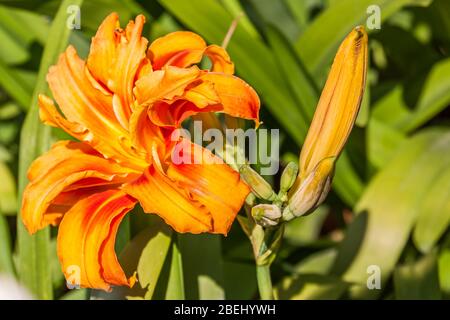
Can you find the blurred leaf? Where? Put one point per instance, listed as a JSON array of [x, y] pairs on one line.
[[175, 284], [236, 10], [300, 12], [153, 256], [202, 266], [444, 270], [317, 45], [9, 131], [11, 82], [34, 268], [299, 81], [310, 287], [277, 13], [76, 294], [240, 280], [317, 263], [382, 142], [389, 207], [24, 26], [304, 230], [8, 196], [433, 213], [434, 96], [418, 280], [5, 155], [13, 52], [94, 11], [9, 110], [6, 262]]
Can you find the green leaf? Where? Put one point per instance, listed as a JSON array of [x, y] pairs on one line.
[[408, 115], [240, 280], [310, 287], [13, 85], [444, 270], [6, 261], [24, 26], [9, 110], [236, 10], [153, 256], [34, 262], [382, 142], [277, 13], [317, 45], [389, 207], [305, 230], [76, 294], [434, 213], [300, 82], [317, 263], [175, 284], [202, 266], [418, 280], [8, 196]]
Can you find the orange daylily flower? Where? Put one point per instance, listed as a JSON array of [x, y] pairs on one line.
[[123, 104]]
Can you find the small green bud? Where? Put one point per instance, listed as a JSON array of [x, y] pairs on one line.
[[312, 191], [288, 176], [266, 215], [260, 187]]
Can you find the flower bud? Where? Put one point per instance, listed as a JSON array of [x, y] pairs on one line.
[[310, 192], [266, 215], [288, 177], [260, 187], [331, 125]]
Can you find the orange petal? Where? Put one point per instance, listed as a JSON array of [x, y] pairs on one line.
[[164, 84], [158, 194], [86, 240], [130, 55], [145, 133], [83, 103], [115, 59], [212, 183], [192, 197], [181, 49], [237, 97], [67, 166], [221, 61], [103, 49], [164, 114]]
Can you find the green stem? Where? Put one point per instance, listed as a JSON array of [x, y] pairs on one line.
[[264, 282]]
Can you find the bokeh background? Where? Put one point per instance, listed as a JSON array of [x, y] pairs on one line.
[[388, 215]]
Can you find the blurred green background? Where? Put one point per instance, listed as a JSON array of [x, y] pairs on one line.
[[389, 212]]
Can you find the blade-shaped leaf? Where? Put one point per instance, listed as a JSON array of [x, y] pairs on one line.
[[6, 261], [389, 208], [202, 266], [317, 45], [34, 268], [434, 97], [8, 197], [418, 280]]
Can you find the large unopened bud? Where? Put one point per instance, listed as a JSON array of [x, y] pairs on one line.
[[331, 125]]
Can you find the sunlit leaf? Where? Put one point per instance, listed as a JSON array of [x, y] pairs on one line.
[[389, 208], [34, 269], [418, 280]]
